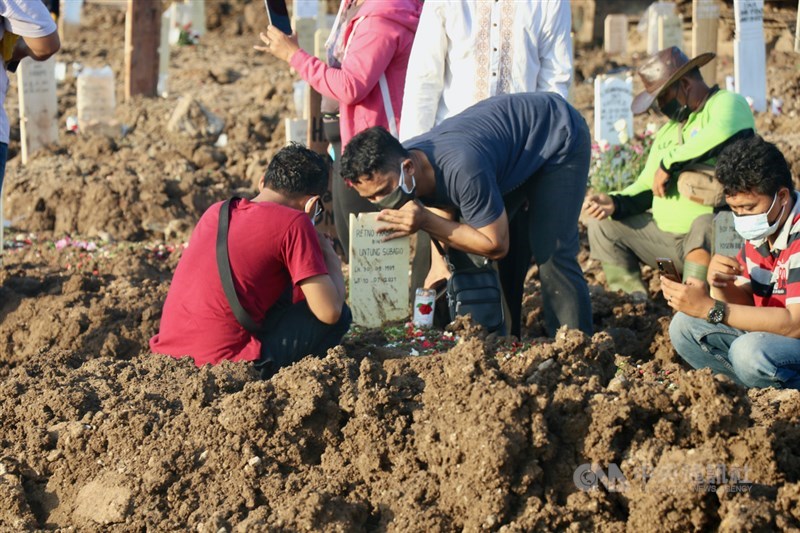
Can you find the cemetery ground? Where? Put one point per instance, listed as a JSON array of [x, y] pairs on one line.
[[474, 433]]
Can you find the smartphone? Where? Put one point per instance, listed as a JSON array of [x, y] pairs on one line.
[[666, 267], [278, 15]]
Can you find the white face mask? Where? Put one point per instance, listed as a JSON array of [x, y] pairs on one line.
[[757, 227]]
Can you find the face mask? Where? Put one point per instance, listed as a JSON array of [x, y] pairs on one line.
[[757, 227], [400, 196], [316, 218], [675, 111]]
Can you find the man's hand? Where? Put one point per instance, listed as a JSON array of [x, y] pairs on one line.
[[402, 222], [692, 299], [723, 271], [278, 43], [660, 183], [599, 206]]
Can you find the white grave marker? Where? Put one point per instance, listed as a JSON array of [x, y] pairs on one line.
[[198, 16], [727, 240], [163, 55], [378, 273], [749, 52], [97, 100], [38, 105], [705, 25], [180, 18], [613, 96], [653, 12], [296, 130], [670, 31], [615, 35]]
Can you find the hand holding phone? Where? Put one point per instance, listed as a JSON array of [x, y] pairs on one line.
[[278, 15], [666, 268]]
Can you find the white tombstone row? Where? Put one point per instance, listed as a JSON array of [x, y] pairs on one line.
[[378, 273], [670, 31], [613, 96], [97, 101], [615, 35], [655, 10], [749, 52]]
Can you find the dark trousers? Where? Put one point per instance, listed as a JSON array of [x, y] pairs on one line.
[[291, 332], [345, 201], [543, 226]]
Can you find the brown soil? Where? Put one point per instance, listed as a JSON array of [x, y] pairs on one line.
[[100, 434]]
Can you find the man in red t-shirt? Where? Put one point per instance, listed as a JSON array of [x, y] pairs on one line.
[[749, 327], [273, 248]]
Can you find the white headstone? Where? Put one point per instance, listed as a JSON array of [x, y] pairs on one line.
[[613, 96], [670, 31], [180, 19], [653, 12], [797, 31], [615, 35], [378, 273], [97, 100], [163, 55], [198, 16], [749, 52], [727, 240], [38, 105], [296, 130]]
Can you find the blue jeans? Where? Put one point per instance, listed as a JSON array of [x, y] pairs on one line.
[[752, 359], [291, 332]]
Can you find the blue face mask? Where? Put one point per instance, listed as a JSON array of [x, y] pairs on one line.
[[400, 196], [757, 227]]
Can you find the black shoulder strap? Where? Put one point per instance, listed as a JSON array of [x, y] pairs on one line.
[[224, 267], [439, 247]]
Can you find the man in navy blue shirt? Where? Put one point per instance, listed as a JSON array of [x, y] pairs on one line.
[[511, 171]]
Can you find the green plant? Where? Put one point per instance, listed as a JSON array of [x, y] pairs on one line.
[[615, 167]]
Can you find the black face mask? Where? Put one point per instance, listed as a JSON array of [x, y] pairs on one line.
[[675, 111], [400, 196]]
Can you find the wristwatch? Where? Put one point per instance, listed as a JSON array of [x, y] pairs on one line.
[[717, 313]]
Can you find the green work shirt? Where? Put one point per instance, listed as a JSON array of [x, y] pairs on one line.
[[704, 134]]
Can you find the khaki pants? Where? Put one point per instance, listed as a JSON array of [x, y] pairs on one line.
[[637, 239]]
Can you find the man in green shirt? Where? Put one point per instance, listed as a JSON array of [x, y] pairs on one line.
[[650, 218]]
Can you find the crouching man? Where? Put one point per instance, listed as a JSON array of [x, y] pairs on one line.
[[286, 276], [749, 328]]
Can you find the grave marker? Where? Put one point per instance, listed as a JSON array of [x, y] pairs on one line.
[[615, 36], [163, 55], [378, 273], [296, 130], [797, 31], [198, 16], [749, 52], [97, 101], [670, 31], [613, 96], [180, 18], [655, 10], [38, 105], [727, 240], [705, 24], [141, 48], [69, 21]]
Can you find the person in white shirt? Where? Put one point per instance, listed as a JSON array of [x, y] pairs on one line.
[[468, 50], [31, 21]]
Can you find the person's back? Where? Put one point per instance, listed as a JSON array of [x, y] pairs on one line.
[[281, 276], [263, 240]]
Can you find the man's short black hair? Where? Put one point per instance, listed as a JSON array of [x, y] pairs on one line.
[[297, 171], [753, 165], [372, 150]]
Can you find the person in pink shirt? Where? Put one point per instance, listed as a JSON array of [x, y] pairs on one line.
[[368, 58]]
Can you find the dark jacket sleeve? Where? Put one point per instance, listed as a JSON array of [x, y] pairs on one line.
[[626, 206]]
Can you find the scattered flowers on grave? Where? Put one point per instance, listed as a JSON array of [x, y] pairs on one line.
[[615, 167], [412, 339]]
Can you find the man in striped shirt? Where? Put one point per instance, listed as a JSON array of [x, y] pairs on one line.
[[748, 328]]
